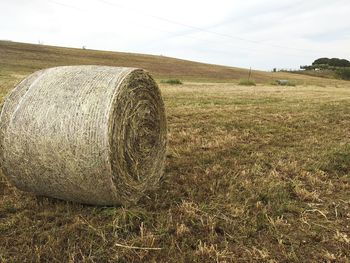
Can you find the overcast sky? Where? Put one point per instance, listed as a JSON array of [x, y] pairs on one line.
[[243, 33]]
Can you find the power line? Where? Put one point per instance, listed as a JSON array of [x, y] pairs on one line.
[[191, 27], [210, 31]]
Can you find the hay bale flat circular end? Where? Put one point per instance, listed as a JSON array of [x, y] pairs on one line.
[[90, 134]]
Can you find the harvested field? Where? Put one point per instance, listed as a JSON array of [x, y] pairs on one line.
[[253, 174]]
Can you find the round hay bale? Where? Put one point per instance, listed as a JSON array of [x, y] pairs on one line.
[[89, 134]]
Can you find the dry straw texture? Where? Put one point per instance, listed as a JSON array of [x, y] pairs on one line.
[[90, 134]]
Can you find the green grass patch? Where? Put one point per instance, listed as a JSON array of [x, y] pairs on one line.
[[338, 161], [172, 81], [246, 82]]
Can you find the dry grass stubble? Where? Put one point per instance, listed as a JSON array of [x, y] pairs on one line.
[[253, 175]]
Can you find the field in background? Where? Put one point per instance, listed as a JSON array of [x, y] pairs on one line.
[[253, 174], [19, 59]]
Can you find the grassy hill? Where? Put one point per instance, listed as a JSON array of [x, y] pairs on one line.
[[21, 59]]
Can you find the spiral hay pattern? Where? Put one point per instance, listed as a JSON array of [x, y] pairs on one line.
[[90, 134]]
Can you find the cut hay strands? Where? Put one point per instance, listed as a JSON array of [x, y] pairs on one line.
[[316, 210], [138, 248], [89, 134]]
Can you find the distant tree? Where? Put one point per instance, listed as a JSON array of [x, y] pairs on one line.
[[333, 62], [343, 63], [330, 67], [321, 61], [306, 67]]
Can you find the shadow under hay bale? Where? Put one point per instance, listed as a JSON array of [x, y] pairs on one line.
[[90, 134]]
